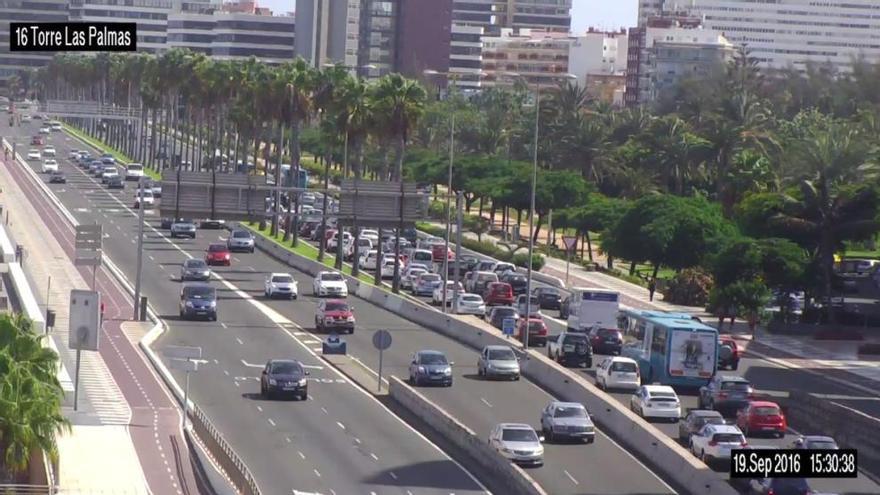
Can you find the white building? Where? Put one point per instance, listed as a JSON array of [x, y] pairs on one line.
[[234, 35], [597, 53], [493, 15], [781, 33], [540, 57], [465, 55]]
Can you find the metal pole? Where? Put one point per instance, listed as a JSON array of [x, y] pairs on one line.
[[185, 399], [76, 381], [448, 206], [94, 276], [380, 369], [140, 250], [567, 263], [48, 288], [340, 254], [531, 218], [459, 202]]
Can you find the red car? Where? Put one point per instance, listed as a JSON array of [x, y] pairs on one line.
[[334, 315], [537, 331], [728, 353], [437, 253], [37, 141], [218, 254], [761, 417], [498, 294]]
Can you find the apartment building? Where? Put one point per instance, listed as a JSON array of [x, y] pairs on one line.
[[539, 57], [328, 31], [598, 53], [494, 15], [466, 55], [26, 11], [151, 17]]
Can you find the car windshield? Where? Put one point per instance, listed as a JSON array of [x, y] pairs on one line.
[[710, 420], [135, 168], [727, 438], [430, 278], [501, 355], [547, 291], [195, 264], [536, 326], [504, 312], [519, 435], [571, 338], [736, 386], [286, 369], [199, 293], [282, 279], [216, 248], [471, 298], [766, 411], [624, 367], [241, 234], [431, 358], [608, 332], [570, 412], [822, 445], [336, 306], [331, 277]]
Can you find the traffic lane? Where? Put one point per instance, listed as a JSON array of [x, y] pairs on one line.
[[431, 468]]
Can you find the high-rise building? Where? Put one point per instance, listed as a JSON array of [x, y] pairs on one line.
[[539, 57], [423, 36], [782, 33], [151, 17], [328, 31], [493, 15], [26, 11], [466, 55]]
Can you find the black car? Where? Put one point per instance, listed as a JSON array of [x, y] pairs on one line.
[[519, 283], [606, 340], [696, 419], [284, 377], [57, 178], [469, 261], [499, 313], [198, 300], [571, 349], [211, 224], [115, 183], [548, 297]]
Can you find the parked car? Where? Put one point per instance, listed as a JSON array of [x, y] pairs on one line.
[[426, 284], [656, 401], [498, 361], [218, 254], [618, 373], [815, 442], [183, 227], [761, 417], [498, 293], [430, 367], [567, 421], [198, 299], [57, 177], [281, 284], [518, 283], [517, 442], [329, 283], [497, 314], [537, 331], [471, 304], [714, 443], [194, 269], [548, 297], [240, 240], [284, 377], [570, 349], [728, 353], [606, 340], [334, 315], [695, 420], [726, 393]]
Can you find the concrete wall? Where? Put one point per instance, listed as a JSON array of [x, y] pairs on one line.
[[515, 481]]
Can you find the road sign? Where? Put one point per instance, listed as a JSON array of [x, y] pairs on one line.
[[84, 320], [381, 340], [182, 352], [569, 241], [333, 344], [508, 325], [88, 243], [378, 203]]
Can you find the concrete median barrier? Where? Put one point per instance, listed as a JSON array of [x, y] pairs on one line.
[[512, 479]]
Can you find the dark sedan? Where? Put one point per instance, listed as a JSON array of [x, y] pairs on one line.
[[519, 283], [696, 419], [57, 178], [606, 340], [548, 297], [284, 377], [115, 183]]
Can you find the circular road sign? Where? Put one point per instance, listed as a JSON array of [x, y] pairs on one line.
[[381, 340]]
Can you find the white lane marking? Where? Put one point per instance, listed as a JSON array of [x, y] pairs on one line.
[[312, 341], [312, 366], [223, 325], [301, 455], [151, 257], [271, 422], [324, 409], [317, 473], [287, 439], [250, 365], [225, 372], [259, 409], [240, 342], [374, 456], [316, 349], [216, 362], [340, 425], [357, 440], [301, 334], [571, 477], [393, 476], [485, 402]]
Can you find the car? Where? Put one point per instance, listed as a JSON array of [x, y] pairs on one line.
[[497, 314], [25, 118], [334, 315], [410, 274], [115, 183], [333, 241], [284, 377], [563, 307], [134, 171], [198, 299], [211, 224], [37, 141], [107, 160], [502, 267], [728, 353], [45, 130], [329, 284], [471, 304], [370, 259], [537, 331], [281, 284], [422, 256], [534, 308], [656, 401], [183, 227], [49, 165], [363, 246], [726, 393], [56, 126], [761, 417], [713, 443], [480, 280], [73, 155], [107, 173], [56, 177], [567, 420], [429, 367], [155, 187], [440, 251], [147, 198], [426, 284], [606, 340], [49, 152], [518, 283], [518, 443], [780, 486], [548, 297], [95, 166], [695, 420], [450, 287], [241, 240], [498, 293], [618, 373], [33, 154], [194, 269], [498, 361], [388, 266], [469, 262], [570, 349], [218, 254], [815, 442]]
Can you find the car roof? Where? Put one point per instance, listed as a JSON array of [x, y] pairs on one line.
[[659, 388], [763, 403], [558, 403], [724, 429], [621, 359], [515, 426]]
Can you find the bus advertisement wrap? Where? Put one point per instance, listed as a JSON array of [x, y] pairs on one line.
[[692, 354]]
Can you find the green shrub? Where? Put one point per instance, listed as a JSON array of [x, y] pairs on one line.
[[689, 287], [485, 247], [433, 230], [522, 259]]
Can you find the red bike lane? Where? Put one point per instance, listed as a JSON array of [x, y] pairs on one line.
[[155, 422]]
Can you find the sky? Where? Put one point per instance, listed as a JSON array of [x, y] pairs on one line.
[[603, 14]]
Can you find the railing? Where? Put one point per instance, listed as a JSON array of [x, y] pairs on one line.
[[71, 108], [232, 465]]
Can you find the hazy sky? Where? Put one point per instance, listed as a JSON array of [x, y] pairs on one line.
[[604, 14]]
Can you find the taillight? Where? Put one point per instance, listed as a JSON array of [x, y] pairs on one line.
[[722, 395], [743, 444], [771, 492], [712, 443]]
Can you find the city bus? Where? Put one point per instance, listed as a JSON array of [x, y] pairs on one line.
[[287, 177], [670, 348], [589, 307]]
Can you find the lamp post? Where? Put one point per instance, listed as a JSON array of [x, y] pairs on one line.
[[532, 200]]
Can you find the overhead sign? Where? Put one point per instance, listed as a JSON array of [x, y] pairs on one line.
[[377, 203], [84, 320], [382, 340], [212, 195], [182, 352], [569, 241]]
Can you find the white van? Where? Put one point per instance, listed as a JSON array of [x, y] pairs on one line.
[[480, 280], [422, 256], [134, 171], [588, 307]]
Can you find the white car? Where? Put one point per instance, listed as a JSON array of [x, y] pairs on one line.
[[656, 401], [33, 155], [49, 152], [50, 165], [372, 235], [437, 296], [56, 126], [370, 260], [148, 199], [410, 275], [714, 442], [45, 130], [518, 443], [332, 242], [388, 267], [364, 246], [134, 171], [109, 172], [330, 284], [618, 372], [471, 304], [281, 284], [74, 154]]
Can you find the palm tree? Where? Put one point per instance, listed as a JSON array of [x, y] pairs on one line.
[[300, 87]]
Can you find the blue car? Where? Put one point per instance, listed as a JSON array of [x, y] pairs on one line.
[[426, 284], [198, 300]]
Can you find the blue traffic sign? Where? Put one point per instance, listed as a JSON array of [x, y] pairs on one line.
[[508, 325]]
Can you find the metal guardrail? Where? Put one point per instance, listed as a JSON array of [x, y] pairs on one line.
[[232, 465]]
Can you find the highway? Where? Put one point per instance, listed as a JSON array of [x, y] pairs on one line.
[[340, 441], [248, 333]]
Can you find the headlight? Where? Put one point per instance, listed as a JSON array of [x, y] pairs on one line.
[[189, 304], [421, 369], [272, 381], [505, 449], [302, 382], [447, 371], [213, 304], [350, 319], [539, 451]]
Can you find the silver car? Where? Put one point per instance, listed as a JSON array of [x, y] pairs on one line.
[[498, 361], [183, 228], [194, 269], [430, 367], [517, 442], [567, 420], [240, 240]]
